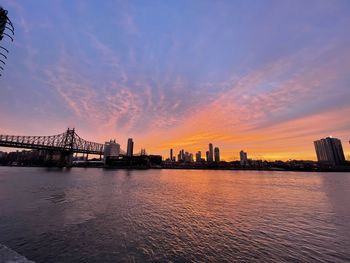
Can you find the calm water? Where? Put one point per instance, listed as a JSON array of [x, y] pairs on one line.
[[96, 215]]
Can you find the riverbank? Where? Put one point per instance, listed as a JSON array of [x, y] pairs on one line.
[[189, 167]]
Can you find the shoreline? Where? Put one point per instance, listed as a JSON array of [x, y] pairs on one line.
[[272, 169]]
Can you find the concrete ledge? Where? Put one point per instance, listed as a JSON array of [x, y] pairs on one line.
[[9, 256]]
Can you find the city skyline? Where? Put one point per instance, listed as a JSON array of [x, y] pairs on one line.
[[181, 75]]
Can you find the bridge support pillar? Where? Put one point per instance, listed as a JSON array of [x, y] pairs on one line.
[[66, 159]]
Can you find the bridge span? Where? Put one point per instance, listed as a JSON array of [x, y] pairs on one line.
[[66, 144], [68, 141]]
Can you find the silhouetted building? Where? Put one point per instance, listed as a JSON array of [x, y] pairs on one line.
[[143, 151], [188, 157], [111, 149], [182, 153], [207, 156], [130, 149], [171, 155], [211, 153], [329, 150], [217, 154], [243, 158], [198, 156], [191, 158]]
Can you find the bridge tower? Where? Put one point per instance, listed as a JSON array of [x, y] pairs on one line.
[[66, 158]]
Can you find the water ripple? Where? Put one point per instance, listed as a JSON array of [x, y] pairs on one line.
[[92, 215]]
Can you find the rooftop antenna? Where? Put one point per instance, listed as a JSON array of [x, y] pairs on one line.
[[6, 30]]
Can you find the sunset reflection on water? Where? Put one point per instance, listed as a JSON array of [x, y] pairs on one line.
[[175, 215]]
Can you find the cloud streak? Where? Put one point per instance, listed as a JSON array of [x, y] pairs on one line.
[[182, 79]]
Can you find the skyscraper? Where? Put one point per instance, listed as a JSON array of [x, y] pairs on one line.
[[198, 156], [130, 148], [211, 154], [207, 155], [179, 157], [243, 158], [191, 157], [171, 155], [217, 154], [329, 150]]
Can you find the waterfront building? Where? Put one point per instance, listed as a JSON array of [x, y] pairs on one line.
[[111, 149], [207, 156], [211, 153], [243, 158], [329, 150], [217, 154], [187, 157], [179, 157], [143, 152], [130, 148], [171, 155], [198, 156], [191, 158]]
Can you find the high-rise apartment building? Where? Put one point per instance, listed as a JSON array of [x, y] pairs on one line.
[[243, 158], [111, 149], [130, 148], [179, 157], [217, 154], [198, 156], [191, 157], [211, 153], [329, 150]]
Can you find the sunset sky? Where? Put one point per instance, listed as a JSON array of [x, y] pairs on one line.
[[268, 77]]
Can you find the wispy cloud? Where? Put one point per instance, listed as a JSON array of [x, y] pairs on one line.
[[182, 79]]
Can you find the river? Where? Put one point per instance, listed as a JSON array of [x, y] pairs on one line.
[[97, 215]]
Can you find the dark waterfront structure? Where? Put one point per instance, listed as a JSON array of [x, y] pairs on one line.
[[181, 156], [211, 153], [243, 158], [329, 151], [135, 162], [111, 150], [217, 154], [198, 156], [130, 148]]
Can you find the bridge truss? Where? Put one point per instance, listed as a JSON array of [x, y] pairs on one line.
[[68, 141]]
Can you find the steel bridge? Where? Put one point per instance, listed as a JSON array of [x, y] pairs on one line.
[[68, 142]]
